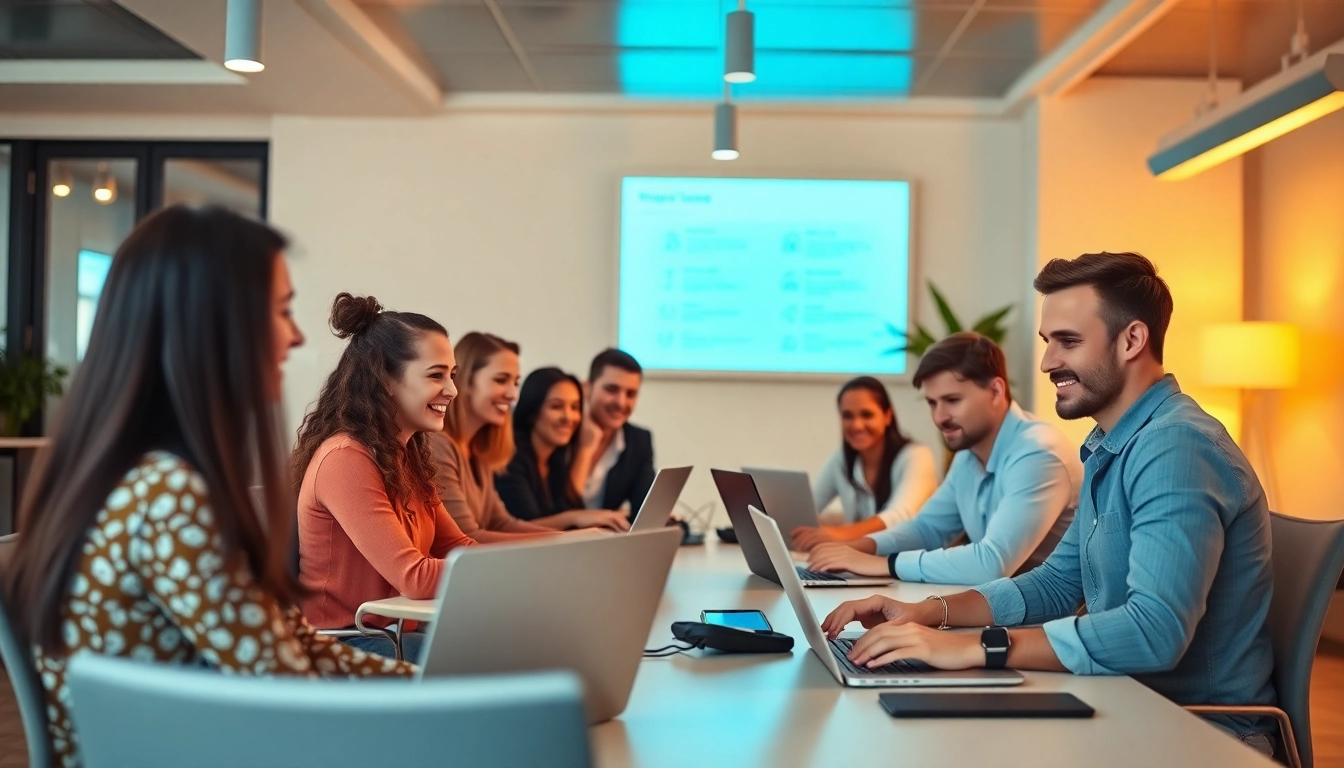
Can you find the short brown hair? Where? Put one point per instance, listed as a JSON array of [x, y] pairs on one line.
[[969, 356], [1128, 286], [613, 358]]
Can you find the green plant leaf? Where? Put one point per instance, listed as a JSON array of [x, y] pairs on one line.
[[25, 384], [918, 343], [990, 325], [945, 310]]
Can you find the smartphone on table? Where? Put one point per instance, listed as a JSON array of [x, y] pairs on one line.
[[751, 621]]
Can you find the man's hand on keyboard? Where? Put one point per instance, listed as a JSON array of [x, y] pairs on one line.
[[891, 642], [834, 557]]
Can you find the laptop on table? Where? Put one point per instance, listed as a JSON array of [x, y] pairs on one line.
[[582, 604], [834, 653], [787, 495], [738, 491], [661, 499]]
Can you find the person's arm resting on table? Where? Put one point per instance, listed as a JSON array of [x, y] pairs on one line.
[[1057, 590], [937, 523], [827, 488], [1036, 490]]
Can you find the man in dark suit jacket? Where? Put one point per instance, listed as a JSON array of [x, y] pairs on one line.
[[614, 455]]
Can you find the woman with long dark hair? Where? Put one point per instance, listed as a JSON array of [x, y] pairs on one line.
[[539, 483], [138, 535], [880, 476], [371, 525]]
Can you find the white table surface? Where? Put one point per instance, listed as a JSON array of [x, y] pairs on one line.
[[707, 709]]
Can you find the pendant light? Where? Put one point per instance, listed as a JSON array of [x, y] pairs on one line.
[[725, 129], [242, 36], [739, 60]]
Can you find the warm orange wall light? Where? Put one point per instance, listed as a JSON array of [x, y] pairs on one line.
[[1252, 356]]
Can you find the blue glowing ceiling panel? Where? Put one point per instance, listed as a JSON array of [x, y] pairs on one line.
[[802, 50]]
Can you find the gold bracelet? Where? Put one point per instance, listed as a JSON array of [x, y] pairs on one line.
[[940, 599]]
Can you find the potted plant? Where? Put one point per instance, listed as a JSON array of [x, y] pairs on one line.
[[25, 384], [917, 343]]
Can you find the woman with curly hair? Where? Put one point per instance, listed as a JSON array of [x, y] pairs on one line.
[[371, 525]]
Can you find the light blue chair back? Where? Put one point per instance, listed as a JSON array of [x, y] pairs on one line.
[[159, 716], [1308, 557], [22, 675]]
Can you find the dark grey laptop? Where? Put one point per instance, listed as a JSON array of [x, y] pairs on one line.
[[738, 491]]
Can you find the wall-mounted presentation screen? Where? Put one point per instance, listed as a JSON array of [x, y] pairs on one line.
[[765, 275]]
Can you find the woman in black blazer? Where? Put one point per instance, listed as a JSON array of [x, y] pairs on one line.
[[538, 484]]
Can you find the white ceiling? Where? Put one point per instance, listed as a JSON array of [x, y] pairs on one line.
[[309, 71], [407, 57]]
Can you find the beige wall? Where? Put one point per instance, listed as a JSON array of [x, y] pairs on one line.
[[1094, 193], [507, 223], [1295, 273]]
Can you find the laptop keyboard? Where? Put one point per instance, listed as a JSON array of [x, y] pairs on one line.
[[807, 575], [842, 646]]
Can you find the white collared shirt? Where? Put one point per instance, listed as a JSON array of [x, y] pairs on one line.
[[595, 488]]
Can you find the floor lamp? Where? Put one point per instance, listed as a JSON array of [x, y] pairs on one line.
[[1253, 357]]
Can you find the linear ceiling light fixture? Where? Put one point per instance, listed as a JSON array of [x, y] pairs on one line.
[[242, 36], [725, 129], [739, 59], [1306, 91]]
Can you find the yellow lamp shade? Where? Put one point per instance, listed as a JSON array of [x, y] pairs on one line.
[[1250, 355]]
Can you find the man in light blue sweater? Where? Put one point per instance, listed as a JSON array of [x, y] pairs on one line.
[[1010, 491]]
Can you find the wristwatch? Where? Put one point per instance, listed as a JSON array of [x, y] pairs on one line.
[[995, 642]]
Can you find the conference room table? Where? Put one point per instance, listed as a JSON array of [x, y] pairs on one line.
[[708, 709]]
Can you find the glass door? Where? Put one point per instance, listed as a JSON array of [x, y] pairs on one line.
[[231, 183], [91, 204], [82, 199]]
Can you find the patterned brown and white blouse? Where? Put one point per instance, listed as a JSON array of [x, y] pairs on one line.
[[152, 585]]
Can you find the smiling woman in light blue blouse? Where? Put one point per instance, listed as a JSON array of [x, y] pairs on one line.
[[880, 476]]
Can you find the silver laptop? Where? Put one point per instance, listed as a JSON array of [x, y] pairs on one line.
[[787, 495], [738, 492], [584, 604], [834, 653], [661, 499]]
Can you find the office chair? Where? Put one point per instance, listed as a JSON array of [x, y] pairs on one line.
[[1308, 558], [156, 716], [18, 661]]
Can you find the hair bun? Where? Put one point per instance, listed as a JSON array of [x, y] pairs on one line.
[[351, 315]]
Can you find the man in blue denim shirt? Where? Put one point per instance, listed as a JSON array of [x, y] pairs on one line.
[[1169, 552]]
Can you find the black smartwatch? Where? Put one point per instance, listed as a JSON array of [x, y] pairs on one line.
[[995, 642]]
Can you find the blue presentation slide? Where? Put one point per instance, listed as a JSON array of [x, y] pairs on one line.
[[765, 275]]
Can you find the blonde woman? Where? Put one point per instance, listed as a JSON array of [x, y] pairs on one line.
[[477, 440]]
